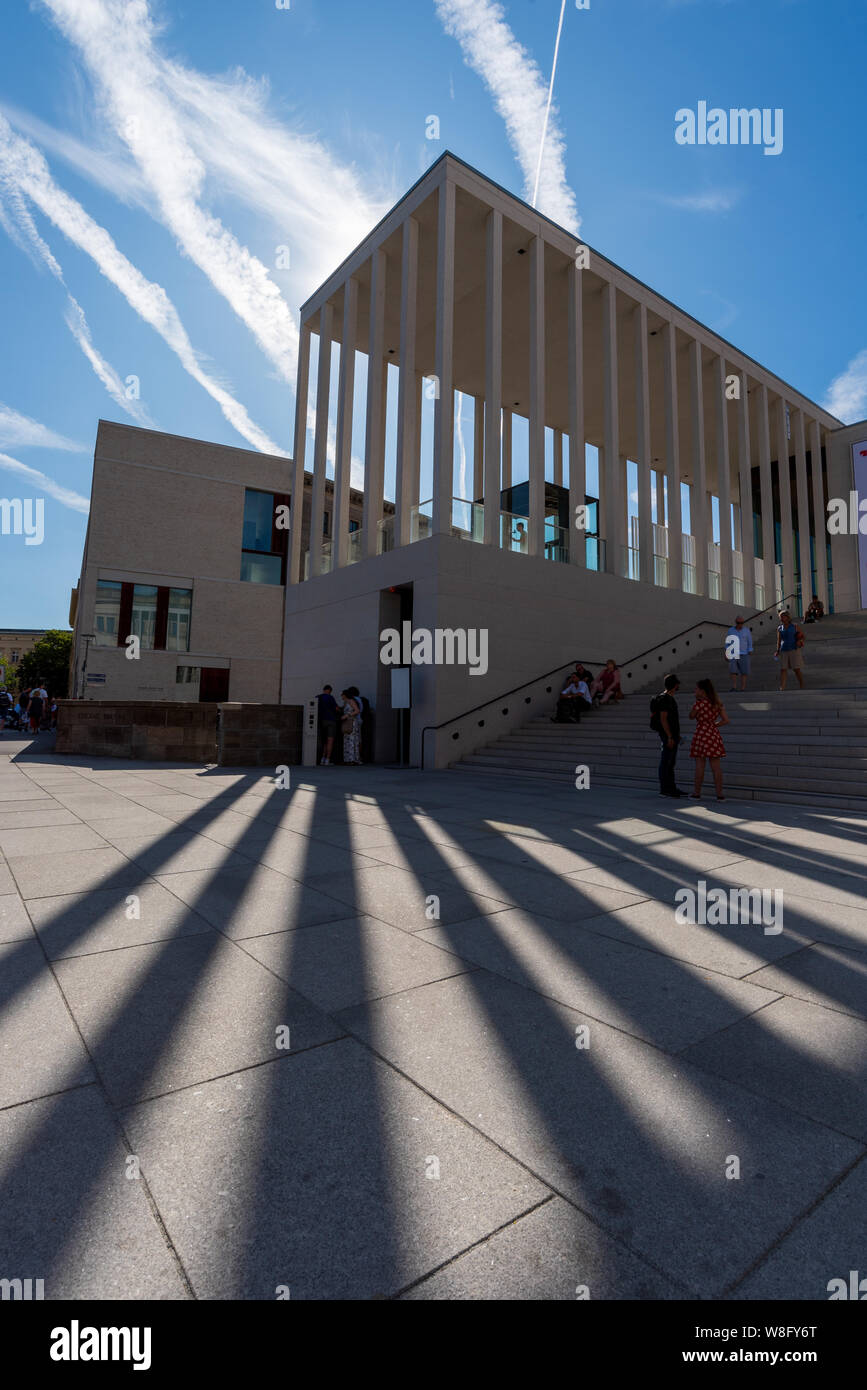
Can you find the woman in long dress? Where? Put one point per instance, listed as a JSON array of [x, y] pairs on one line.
[[351, 721], [707, 745]]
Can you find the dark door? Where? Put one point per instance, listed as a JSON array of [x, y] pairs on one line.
[[214, 684]]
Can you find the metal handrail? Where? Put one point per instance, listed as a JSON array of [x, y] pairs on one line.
[[495, 699]]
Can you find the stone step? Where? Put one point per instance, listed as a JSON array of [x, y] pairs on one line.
[[783, 781], [781, 791], [748, 769]]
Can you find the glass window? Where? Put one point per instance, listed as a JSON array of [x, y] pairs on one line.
[[258, 520], [106, 613], [188, 675], [143, 622], [261, 569], [178, 625]]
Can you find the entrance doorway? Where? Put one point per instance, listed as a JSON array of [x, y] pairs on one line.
[[214, 684]]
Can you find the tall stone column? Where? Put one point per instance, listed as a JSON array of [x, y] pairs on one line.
[[407, 465], [819, 511], [320, 446], [724, 490], [643, 461], [698, 495], [296, 509], [444, 404], [803, 511], [767, 491], [343, 449], [787, 540], [493, 375], [672, 460], [577, 466], [612, 497], [536, 528], [377, 384], [745, 468]]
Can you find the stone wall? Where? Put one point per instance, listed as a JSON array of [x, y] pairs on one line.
[[166, 731], [159, 731], [259, 735]]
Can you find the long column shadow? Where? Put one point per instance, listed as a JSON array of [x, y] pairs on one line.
[[598, 1197]]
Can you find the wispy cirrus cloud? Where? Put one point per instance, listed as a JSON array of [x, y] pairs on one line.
[[180, 126], [19, 431], [712, 200], [520, 93], [107, 168], [24, 169], [46, 485], [17, 220], [847, 395]]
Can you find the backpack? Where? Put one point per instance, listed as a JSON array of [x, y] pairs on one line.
[[655, 721]]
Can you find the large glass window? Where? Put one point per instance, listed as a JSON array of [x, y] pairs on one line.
[[178, 623], [261, 569], [106, 613], [258, 520], [143, 620], [263, 543]]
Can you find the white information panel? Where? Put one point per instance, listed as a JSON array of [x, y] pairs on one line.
[[400, 697]]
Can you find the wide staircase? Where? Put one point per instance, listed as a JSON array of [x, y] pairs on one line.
[[795, 745]]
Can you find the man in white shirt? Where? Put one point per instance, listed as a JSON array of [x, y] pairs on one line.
[[739, 649], [574, 697]]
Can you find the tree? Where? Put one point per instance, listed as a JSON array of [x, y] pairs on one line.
[[48, 662]]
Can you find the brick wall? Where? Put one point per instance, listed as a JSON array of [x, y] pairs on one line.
[[160, 731], [259, 735], [166, 731]]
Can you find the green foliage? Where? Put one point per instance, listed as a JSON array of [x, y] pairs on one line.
[[48, 662]]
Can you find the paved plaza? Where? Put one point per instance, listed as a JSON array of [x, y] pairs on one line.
[[389, 1035]]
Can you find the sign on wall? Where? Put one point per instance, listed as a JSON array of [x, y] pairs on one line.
[[859, 469]]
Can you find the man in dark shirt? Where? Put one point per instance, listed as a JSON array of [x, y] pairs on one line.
[[328, 717], [667, 725]]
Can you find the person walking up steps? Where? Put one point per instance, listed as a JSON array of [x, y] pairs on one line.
[[707, 745], [790, 640]]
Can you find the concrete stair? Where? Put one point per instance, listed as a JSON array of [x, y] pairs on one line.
[[796, 745]]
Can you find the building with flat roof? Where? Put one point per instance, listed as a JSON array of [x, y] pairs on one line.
[[186, 551], [15, 642], [626, 473]]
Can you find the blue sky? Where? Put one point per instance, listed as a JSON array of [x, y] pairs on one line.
[[155, 154]]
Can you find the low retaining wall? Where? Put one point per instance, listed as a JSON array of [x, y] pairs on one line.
[[259, 735], [159, 731], [164, 731]]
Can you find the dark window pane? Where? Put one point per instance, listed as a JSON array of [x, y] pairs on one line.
[[261, 569], [178, 627], [258, 518], [144, 614], [106, 613]]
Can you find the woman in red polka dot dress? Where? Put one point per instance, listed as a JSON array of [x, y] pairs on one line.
[[707, 745]]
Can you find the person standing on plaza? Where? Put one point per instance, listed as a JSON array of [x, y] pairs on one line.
[[351, 728], [36, 707], [707, 745], [739, 649], [328, 716]]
